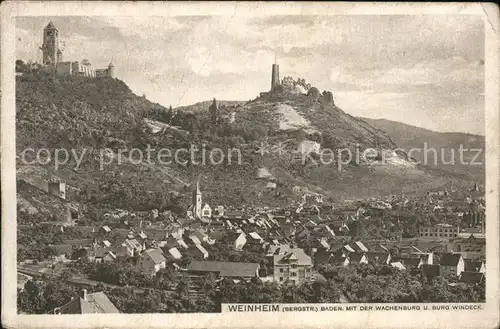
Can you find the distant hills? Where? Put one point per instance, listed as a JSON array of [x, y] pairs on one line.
[[411, 137], [94, 114]]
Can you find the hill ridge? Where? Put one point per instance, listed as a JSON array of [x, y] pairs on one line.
[[95, 114]]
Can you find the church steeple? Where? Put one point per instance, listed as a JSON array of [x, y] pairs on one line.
[[196, 199]]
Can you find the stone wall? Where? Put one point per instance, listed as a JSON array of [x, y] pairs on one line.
[[64, 68]]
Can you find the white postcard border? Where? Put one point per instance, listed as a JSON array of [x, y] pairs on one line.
[[486, 318]]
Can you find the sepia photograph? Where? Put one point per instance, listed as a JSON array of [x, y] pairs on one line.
[[217, 162]]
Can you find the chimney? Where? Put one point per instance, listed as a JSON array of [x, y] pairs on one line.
[[83, 294]]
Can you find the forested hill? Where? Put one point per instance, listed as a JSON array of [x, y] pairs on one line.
[[85, 114], [410, 137]]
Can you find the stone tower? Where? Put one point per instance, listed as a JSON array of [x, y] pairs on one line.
[[213, 112], [197, 201], [50, 47], [275, 77], [111, 70]]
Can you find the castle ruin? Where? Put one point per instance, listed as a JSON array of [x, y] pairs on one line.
[[53, 58]]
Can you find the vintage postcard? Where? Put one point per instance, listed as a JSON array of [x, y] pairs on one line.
[[249, 165]]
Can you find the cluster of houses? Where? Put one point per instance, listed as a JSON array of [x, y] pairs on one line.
[[430, 263], [292, 240], [156, 249]]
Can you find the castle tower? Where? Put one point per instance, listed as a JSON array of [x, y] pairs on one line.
[[111, 70], [197, 201], [275, 77], [50, 47]]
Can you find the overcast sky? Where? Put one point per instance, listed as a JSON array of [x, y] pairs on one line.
[[426, 71]]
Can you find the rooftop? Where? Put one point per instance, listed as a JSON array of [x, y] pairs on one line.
[[450, 259], [225, 269], [294, 254], [156, 255], [474, 277], [96, 302], [50, 26]]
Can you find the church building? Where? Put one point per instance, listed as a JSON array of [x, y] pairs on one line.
[[195, 209]]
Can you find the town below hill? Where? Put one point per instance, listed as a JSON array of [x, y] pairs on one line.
[[141, 237]]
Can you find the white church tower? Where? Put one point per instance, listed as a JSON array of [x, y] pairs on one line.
[[197, 206]]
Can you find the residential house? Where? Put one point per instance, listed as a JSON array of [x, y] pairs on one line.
[[474, 266], [22, 279], [63, 252], [151, 261], [193, 239], [441, 230], [279, 249], [236, 240], [289, 230], [218, 212], [129, 248], [357, 258], [87, 303], [360, 246], [322, 255], [80, 243], [379, 257], [104, 255], [224, 269], [303, 233], [174, 252], [141, 237], [206, 211], [105, 229], [471, 277], [182, 243], [202, 250], [348, 249], [430, 271], [324, 244], [427, 257], [204, 237], [451, 264], [185, 222], [410, 262], [294, 266], [234, 215], [339, 258], [254, 241], [217, 235], [476, 232], [398, 265], [106, 243]]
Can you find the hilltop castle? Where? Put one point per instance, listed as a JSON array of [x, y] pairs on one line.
[[287, 84], [53, 58]]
